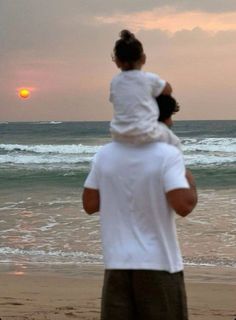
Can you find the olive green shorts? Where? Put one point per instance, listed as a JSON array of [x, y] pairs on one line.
[[143, 295]]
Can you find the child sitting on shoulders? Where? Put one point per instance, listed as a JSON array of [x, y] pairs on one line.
[[133, 94]]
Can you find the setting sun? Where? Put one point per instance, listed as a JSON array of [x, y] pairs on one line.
[[24, 93]]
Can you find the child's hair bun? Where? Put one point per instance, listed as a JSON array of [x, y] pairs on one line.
[[128, 49], [126, 35]]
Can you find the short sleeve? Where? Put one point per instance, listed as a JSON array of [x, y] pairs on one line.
[[174, 172], [91, 181], [157, 84]]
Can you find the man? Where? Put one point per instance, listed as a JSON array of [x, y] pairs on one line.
[[167, 107], [137, 189]]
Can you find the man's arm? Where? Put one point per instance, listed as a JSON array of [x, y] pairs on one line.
[[91, 200], [183, 201]]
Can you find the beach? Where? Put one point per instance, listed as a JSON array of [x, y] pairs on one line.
[[36, 296], [51, 263]]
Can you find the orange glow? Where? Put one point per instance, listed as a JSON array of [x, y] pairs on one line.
[[170, 20], [24, 93]]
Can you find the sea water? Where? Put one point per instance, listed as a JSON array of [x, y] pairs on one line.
[[43, 166]]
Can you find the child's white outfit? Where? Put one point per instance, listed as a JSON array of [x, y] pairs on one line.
[[133, 94]]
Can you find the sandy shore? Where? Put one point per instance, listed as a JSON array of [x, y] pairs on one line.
[[211, 294]]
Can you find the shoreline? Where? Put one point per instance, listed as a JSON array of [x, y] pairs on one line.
[[53, 295], [193, 273]]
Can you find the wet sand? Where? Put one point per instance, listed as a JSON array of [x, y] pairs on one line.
[[37, 296]]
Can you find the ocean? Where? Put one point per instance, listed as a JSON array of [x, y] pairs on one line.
[[43, 166]]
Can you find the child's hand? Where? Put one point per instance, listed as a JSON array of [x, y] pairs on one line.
[[167, 89]]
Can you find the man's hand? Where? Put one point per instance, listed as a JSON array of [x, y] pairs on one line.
[[91, 200]]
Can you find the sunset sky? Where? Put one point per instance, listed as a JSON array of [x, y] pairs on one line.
[[60, 50]]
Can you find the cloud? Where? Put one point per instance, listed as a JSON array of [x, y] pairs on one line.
[[127, 6], [214, 6], [171, 20], [62, 49], [46, 27]]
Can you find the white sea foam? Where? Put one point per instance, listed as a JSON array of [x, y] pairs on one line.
[[224, 145], [46, 122], [57, 253], [55, 122], [43, 159], [48, 226], [207, 151], [201, 159], [49, 148]]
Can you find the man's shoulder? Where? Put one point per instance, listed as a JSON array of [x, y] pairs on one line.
[[164, 150], [106, 149], [109, 152], [161, 148]]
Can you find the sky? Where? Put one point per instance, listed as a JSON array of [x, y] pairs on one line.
[[61, 51]]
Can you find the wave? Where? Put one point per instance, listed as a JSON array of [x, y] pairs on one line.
[[44, 122], [204, 152], [51, 255], [224, 145], [50, 148], [192, 159], [72, 257], [207, 160], [55, 122], [43, 159]]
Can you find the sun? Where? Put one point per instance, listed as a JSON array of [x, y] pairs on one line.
[[24, 93]]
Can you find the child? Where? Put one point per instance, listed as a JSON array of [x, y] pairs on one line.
[[133, 94]]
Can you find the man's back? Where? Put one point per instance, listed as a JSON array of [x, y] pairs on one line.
[[138, 226], [134, 188]]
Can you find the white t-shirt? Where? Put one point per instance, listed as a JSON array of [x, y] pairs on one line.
[[169, 137], [137, 224], [133, 94]]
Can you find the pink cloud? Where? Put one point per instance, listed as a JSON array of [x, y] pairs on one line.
[[170, 20]]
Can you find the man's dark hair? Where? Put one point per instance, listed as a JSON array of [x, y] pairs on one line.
[[167, 106]]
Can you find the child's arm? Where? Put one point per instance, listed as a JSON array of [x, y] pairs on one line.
[[167, 89], [159, 86]]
